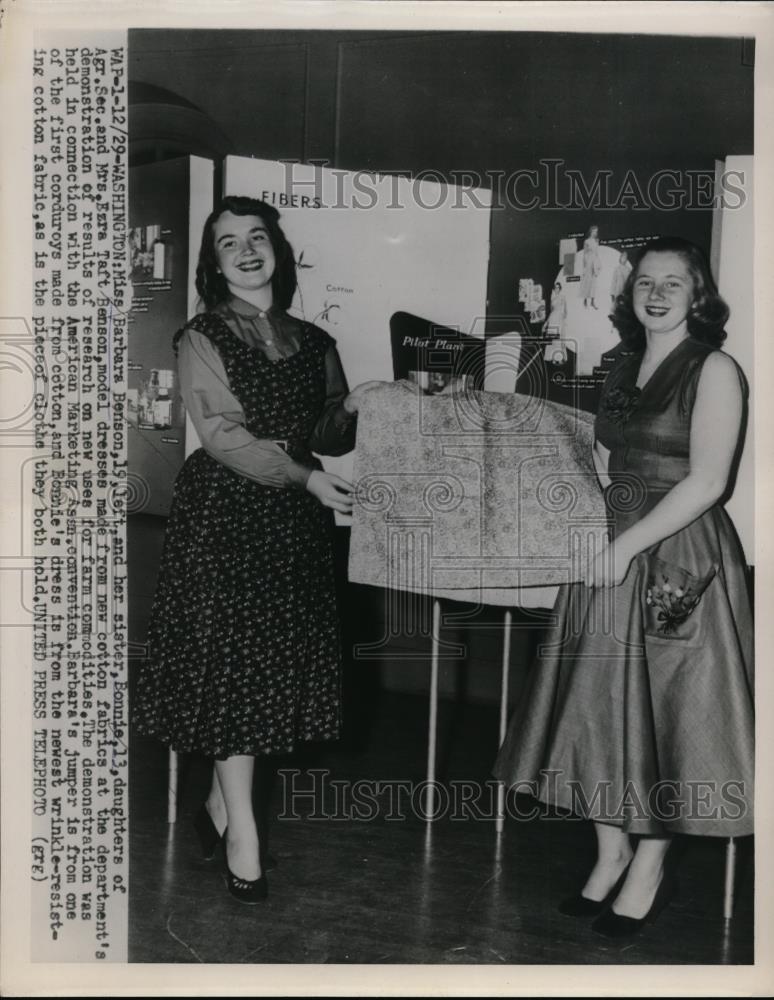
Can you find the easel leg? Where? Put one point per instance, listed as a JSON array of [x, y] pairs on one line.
[[172, 788], [728, 895], [432, 731], [507, 620]]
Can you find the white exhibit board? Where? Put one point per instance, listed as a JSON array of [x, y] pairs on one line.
[[367, 246], [735, 283], [202, 172]]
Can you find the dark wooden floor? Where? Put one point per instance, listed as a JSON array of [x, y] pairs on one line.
[[348, 890]]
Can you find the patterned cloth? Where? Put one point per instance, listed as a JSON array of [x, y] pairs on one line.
[[639, 710], [244, 650], [476, 496]]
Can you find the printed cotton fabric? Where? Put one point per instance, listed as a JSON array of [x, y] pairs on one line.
[[476, 496]]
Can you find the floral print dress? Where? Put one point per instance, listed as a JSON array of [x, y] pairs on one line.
[[639, 708], [244, 653]]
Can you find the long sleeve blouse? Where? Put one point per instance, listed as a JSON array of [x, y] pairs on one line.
[[218, 416]]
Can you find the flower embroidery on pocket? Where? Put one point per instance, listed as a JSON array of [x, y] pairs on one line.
[[671, 596], [673, 604]]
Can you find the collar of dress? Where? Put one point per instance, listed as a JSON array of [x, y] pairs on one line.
[[246, 309]]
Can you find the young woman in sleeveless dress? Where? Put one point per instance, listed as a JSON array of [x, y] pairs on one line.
[[244, 658], [639, 709]]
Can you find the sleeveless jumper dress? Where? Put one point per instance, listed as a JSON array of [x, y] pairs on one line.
[[244, 654], [639, 709]]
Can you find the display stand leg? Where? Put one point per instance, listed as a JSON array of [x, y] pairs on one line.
[[728, 895], [507, 620], [172, 788], [432, 729]]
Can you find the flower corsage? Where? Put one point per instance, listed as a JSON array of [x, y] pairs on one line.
[[619, 404]]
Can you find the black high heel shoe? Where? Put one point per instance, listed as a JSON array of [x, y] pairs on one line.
[[209, 838], [249, 891], [581, 906], [617, 925], [207, 832]]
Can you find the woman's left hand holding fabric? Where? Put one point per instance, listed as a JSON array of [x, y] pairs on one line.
[[354, 399]]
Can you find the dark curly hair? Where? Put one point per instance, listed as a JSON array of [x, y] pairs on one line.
[[708, 314], [211, 285]]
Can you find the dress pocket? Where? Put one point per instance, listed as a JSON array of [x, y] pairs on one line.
[[671, 598]]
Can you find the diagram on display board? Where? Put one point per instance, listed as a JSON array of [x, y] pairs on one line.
[[572, 341], [577, 328], [584, 292]]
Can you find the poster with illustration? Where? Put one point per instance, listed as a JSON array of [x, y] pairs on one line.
[[596, 272]]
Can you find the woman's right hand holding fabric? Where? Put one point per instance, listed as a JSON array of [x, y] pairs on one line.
[[331, 490], [610, 567]]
